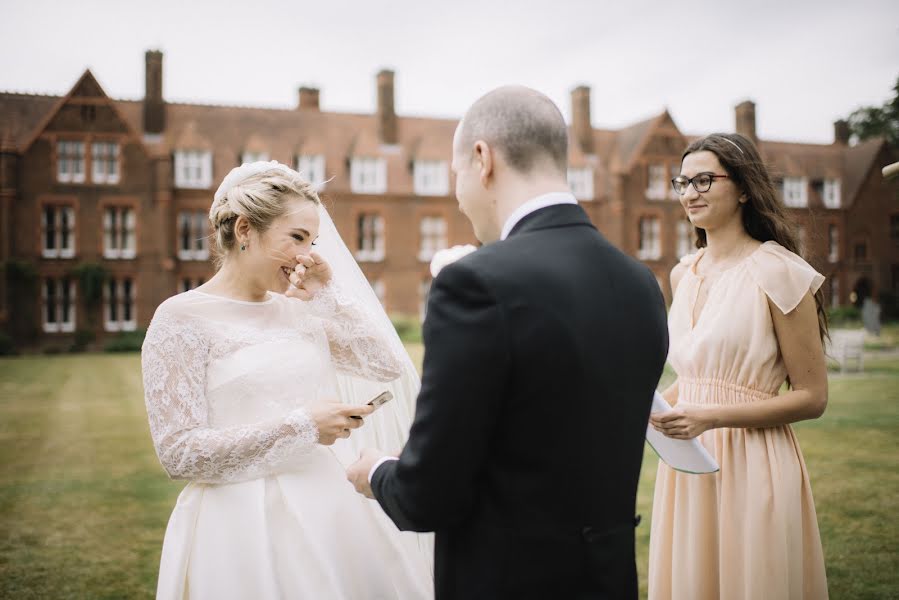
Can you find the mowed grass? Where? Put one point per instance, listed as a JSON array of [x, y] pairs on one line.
[[84, 503]]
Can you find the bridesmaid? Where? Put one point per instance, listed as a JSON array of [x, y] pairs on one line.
[[747, 315]]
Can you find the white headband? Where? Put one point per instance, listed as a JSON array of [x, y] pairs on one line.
[[732, 143], [246, 170]]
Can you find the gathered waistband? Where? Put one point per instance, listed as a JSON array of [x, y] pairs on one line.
[[717, 391]]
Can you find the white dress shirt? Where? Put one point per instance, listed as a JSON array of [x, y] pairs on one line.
[[534, 204]]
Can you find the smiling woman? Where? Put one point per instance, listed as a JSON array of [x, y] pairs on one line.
[[245, 388]]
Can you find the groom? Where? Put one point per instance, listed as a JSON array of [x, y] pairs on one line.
[[542, 351]]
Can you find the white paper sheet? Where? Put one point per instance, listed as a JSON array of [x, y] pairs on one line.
[[688, 456]]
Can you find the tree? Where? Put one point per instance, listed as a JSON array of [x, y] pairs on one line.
[[878, 121]]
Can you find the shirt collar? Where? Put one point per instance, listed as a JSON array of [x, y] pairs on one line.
[[534, 204]]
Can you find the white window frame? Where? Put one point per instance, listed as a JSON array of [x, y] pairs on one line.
[[70, 161], [119, 232], [312, 168], [193, 169], [430, 177], [105, 162], [197, 235], [580, 180], [60, 212], [118, 322], [795, 192], [835, 291], [650, 230], [833, 243], [433, 236], [58, 325], [685, 239], [371, 241], [368, 175], [656, 182], [831, 194], [249, 157]]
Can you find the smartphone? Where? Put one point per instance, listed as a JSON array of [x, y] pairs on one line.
[[377, 401]]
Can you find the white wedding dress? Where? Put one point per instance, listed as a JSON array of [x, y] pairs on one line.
[[268, 512]]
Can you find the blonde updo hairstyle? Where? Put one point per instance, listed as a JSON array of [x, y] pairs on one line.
[[260, 199]]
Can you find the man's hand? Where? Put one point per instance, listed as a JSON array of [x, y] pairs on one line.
[[357, 473]]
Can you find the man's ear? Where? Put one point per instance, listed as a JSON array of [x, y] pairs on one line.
[[483, 156]]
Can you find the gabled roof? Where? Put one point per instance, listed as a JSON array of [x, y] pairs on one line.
[[86, 87], [632, 139]]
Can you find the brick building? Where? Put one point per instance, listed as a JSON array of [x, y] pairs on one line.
[[103, 202]]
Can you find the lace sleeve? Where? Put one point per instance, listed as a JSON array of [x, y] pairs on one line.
[[358, 347], [173, 359]]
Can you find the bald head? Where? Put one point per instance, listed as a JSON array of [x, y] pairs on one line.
[[521, 124]]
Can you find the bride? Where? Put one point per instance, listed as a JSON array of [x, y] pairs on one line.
[[253, 382]]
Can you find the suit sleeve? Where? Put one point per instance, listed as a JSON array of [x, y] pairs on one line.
[[434, 483]]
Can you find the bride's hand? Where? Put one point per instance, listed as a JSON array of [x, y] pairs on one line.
[[683, 422], [335, 420], [311, 274]]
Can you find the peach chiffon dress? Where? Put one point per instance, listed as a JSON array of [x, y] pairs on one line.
[[749, 531]]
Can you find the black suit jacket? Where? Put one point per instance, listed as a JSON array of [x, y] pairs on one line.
[[541, 356]]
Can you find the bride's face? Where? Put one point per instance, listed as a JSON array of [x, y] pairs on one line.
[[271, 257]]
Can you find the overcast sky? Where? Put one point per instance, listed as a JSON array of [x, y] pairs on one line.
[[805, 64]]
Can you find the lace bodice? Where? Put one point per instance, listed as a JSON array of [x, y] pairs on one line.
[[227, 383]]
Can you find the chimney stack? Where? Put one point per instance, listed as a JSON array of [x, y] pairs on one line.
[[745, 120], [387, 126], [308, 99], [154, 105], [580, 118], [841, 132]]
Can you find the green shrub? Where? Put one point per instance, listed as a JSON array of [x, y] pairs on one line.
[[83, 339], [407, 327], [126, 341], [844, 315], [7, 345]]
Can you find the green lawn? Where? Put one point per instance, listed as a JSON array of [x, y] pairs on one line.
[[84, 503]]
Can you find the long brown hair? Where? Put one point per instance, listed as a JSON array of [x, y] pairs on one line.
[[764, 215]]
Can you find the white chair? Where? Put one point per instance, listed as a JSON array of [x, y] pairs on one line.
[[846, 345]]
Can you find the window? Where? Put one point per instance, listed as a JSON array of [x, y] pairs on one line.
[[860, 251], [59, 305], [894, 228], [70, 162], [658, 185], [650, 246], [312, 168], [686, 238], [424, 289], [431, 178], [675, 173], [118, 232], [371, 237], [380, 291], [368, 175], [834, 291], [580, 181], [105, 162], [795, 192], [193, 169], [433, 237], [249, 157], [118, 305], [830, 193], [58, 231], [833, 244], [193, 236], [800, 230], [189, 283]]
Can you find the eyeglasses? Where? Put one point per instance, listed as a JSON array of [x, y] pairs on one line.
[[701, 182]]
